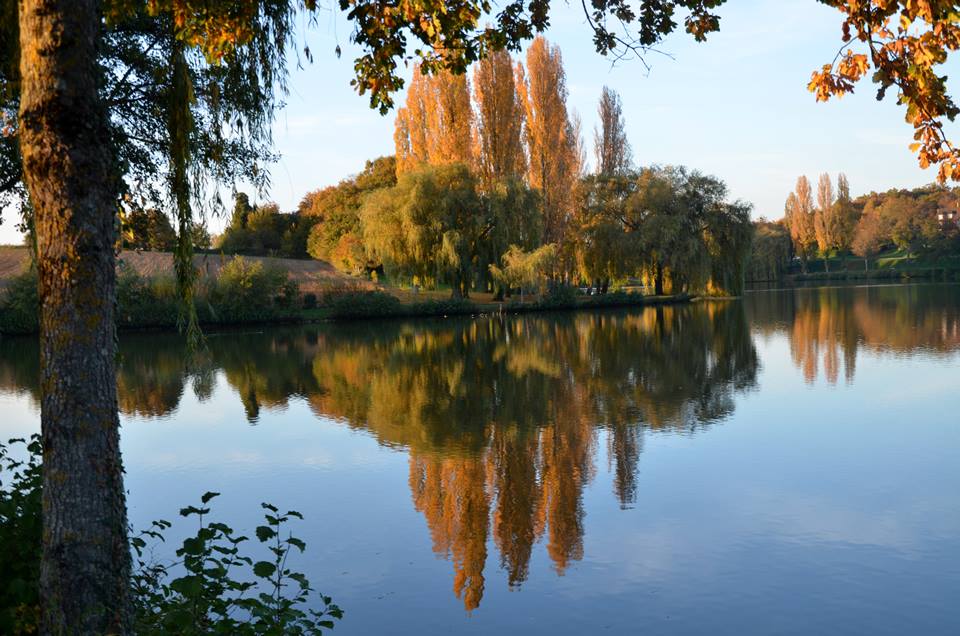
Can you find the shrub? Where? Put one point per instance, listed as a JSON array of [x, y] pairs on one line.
[[20, 304], [246, 290], [617, 298], [372, 304], [309, 301], [451, 307], [559, 297], [20, 533], [145, 302], [212, 588]]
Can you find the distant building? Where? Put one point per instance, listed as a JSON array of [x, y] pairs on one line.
[[948, 218]]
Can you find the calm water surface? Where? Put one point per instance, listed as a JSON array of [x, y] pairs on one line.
[[783, 464]]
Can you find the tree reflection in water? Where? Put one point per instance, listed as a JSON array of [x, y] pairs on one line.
[[504, 419], [829, 325]]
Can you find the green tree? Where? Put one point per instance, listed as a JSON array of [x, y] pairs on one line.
[[428, 226], [336, 235], [607, 240], [771, 251]]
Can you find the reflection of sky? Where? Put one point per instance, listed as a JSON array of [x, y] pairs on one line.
[[813, 508]]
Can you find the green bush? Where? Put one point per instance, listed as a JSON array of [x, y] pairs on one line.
[[20, 304], [363, 304], [20, 533], [246, 290], [145, 302], [309, 301], [559, 297], [617, 298], [450, 307], [212, 588]]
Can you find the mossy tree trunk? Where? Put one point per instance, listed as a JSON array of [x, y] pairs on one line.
[[67, 166]]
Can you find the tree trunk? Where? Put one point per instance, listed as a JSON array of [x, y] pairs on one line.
[[658, 281], [65, 144]]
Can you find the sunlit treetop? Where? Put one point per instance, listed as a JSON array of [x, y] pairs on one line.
[[902, 41]]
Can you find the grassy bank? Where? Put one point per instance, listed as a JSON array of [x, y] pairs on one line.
[[247, 293], [894, 265]]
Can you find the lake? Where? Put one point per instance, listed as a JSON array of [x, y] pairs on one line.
[[787, 464]]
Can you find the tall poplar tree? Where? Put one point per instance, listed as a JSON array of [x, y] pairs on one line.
[[499, 121], [845, 215], [824, 220], [801, 220], [611, 148], [553, 167], [435, 127]]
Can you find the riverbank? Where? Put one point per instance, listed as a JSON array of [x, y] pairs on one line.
[[353, 305], [891, 266]]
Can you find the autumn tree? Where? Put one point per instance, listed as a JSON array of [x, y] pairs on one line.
[[800, 213], [824, 225], [499, 120], [844, 216], [869, 237], [335, 234], [552, 149], [611, 148], [435, 127]]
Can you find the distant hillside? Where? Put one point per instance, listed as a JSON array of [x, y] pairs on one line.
[[312, 275]]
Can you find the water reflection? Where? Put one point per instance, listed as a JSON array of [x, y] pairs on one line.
[[500, 417], [504, 420], [827, 326]]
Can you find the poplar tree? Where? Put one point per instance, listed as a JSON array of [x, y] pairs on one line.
[[552, 149], [435, 126], [611, 148], [499, 121], [824, 223], [801, 220]]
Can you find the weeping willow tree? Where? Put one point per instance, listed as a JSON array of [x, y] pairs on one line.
[[729, 238], [429, 227], [183, 121]]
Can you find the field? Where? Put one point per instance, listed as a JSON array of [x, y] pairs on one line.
[[312, 276]]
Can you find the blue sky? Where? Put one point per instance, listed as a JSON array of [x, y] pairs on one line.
[[736, 107]]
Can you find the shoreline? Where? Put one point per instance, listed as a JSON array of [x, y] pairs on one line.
[[406, 311]]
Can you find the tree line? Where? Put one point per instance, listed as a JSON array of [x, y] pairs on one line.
[[830, 225], [490, 186]]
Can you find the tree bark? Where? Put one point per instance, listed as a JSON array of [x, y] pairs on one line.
[[67, 165], [658, 281]]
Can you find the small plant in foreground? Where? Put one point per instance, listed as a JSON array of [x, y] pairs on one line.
[[221, 590], [211, 587]]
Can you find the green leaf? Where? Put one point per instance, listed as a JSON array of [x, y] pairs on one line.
[[269, 507], [264, 533], [207, 496], [297, 542], [294, 513], [193, 546], [264, 569], [188, 586]]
